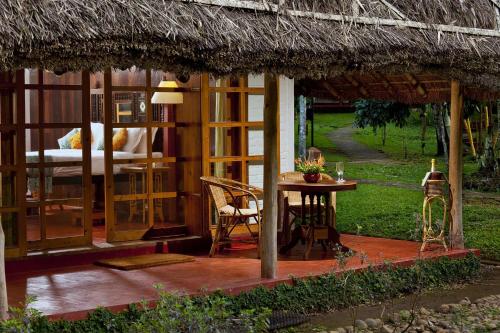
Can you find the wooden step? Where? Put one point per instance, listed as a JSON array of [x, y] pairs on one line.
[[50, 259], [158, 233]]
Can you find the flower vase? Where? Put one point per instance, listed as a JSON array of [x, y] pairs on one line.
[[312, 177]]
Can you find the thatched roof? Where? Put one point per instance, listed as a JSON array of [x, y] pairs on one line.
[[252, 36]]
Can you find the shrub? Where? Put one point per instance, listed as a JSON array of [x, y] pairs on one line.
[[250, 311]]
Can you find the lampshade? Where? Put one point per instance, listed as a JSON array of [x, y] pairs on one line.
[[167, 97]]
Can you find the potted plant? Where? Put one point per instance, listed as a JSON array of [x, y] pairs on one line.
[[311, 169]]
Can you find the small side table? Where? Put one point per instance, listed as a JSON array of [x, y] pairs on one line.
[[318, 228], [141, 169]]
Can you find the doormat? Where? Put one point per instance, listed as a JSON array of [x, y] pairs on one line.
[[144, 261]]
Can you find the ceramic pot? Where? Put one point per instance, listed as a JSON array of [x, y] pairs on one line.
[[312, 177]]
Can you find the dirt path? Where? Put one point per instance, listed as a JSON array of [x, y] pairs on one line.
[[355, 151]]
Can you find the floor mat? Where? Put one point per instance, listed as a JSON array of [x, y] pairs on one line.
[[144, 261]]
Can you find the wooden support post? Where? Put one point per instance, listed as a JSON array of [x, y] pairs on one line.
[[269, 243], [456, 166]]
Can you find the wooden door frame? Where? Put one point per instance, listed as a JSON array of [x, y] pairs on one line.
[[243, 124], [84, 88], [112, 234]]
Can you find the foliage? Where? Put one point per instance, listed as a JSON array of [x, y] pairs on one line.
[[172, 313], [330, 292], [378, 114], [310, 166], [248, 311]]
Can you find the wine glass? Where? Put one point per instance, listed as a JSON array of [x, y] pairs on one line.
[[339, 167]]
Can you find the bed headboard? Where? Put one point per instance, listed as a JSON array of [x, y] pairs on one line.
[[134, 101]]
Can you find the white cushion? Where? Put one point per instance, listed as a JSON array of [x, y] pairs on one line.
[[133, 138], [97, 130], [142, 147], [64, 141], [229, 210]]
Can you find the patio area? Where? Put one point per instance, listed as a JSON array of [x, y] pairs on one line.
[[72, 291]]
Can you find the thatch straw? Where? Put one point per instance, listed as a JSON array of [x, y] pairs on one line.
[[183, 37]]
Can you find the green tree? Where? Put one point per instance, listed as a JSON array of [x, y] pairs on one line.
[[377, 114]]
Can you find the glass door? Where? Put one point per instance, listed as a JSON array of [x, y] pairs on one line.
[[139, 129], [233, 127], [58, 142], [12, 170]]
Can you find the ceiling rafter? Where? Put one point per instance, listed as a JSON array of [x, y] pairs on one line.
[[387, 85], [394, 9], [362, 90], [332, 90], [416, 84]]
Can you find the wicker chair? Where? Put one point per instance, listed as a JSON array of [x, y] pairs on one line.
[[235, 211], [292, 204]]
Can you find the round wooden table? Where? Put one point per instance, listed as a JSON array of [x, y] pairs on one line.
[[317, 228]]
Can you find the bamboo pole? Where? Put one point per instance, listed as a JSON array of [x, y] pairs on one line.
[[269, 243], [471, 138], [456, 166]]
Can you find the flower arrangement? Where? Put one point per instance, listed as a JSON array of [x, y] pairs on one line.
[[311, 169]]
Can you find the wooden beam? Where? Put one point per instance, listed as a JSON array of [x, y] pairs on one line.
[[416, 84], [345, 19], [332, 90], [269, 228], [387, 85], [456, 166], [362, 90], [394, 9]]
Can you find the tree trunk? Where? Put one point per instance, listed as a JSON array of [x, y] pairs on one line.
[[4, 305], [384, 134], [439, 140], [423, 121], [302, 127], [444, 134]]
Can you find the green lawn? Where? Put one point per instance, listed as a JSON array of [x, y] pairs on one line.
[[391, 211]]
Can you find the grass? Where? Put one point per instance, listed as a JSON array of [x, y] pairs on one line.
[[388, 211]]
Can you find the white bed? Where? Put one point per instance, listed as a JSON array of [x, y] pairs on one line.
[[71, 155]]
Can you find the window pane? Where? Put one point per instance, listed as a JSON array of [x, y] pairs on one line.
[[255, 107], [8, 148], [255, 141], [225, 141], [230, 170], [225, 107], [67, 78], [129, 77], [8, 189], [62, 106], [10, 229]]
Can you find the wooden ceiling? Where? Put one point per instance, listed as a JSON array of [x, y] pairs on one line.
[[407, 88]]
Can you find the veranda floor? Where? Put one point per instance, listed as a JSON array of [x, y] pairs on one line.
[[71, 292]]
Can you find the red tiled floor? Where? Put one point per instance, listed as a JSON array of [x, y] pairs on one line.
[[72, 291]]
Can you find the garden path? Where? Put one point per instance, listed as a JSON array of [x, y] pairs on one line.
[[355, 151]]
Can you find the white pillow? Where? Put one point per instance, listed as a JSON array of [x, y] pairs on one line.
[[64, 141], [97, 130], [142, 147], [133, 138]]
